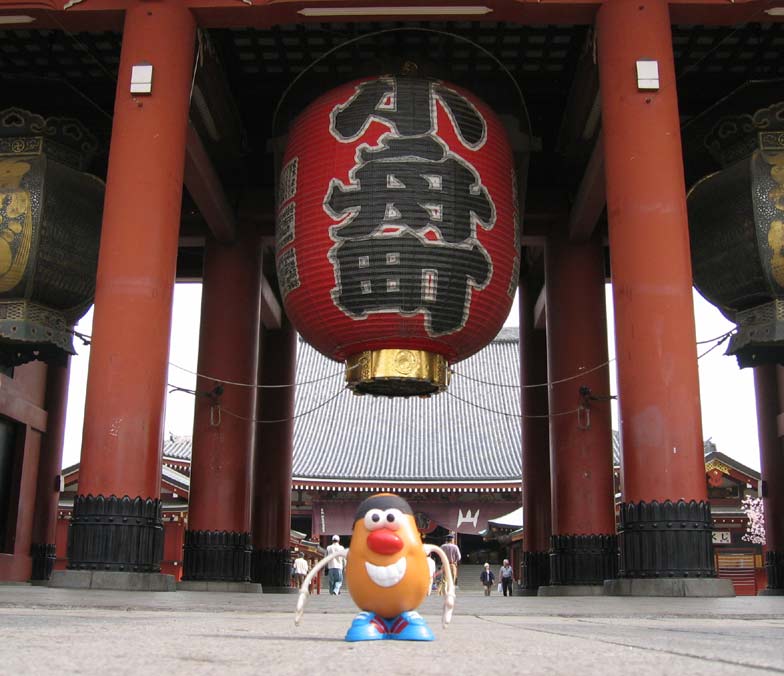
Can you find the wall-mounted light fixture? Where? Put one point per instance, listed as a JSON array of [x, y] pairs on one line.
[[647, 74], [141, 78], [10, 19]]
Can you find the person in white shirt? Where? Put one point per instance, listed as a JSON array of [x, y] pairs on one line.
[[300, 569], [507, 577], [335, 567]]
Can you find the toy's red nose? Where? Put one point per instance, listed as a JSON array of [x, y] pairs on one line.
[[384, 541]]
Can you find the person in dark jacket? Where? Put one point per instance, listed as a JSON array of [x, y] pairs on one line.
[[487, 578]]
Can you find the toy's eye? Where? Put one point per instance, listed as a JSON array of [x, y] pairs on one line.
[[393, 518], [374, 519]]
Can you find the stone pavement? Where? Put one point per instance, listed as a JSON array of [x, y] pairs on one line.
[[62, 631]]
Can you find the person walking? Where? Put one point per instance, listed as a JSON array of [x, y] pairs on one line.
[[487, 578], [335, 567], [453, 555], [300, 569], [507, 577]]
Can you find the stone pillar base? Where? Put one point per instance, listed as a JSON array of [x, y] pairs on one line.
[[583, 560], [573, 590], [111, 533], [674, 586], [44, 556], [665, 541], [112, 580], [216, 556], [774, 568], [536, 571], [272, 568], [218, 586]]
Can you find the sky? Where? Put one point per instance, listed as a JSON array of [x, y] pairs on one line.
[[729, 416]]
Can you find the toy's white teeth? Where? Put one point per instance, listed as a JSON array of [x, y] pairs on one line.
[[387, 576]]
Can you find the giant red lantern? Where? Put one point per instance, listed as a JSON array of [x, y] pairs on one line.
[[397, 230]]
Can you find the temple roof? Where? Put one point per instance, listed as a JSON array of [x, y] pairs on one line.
[[470, 434], [467, 437]]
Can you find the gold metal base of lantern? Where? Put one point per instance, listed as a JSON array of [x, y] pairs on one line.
[[397, 373]]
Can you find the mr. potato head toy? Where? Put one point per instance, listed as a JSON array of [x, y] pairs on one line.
[[387, 573]]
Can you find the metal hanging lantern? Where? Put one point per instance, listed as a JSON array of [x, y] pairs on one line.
[[736, 219], [397, 230], [50, 219]]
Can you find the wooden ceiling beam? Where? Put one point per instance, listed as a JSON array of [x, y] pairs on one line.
[[591, 198], [271, 311], [206, 190], [540, 310]]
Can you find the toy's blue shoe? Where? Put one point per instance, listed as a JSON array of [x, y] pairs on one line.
[[367, 627], [409, 626]]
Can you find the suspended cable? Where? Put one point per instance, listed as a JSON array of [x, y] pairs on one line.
[[398, 29], [754, 14], [510, 415], [86, 339], [722, 337], [526, 387], [74, 88], [83, 47], [710, 349], [263, 387], [299, 415]]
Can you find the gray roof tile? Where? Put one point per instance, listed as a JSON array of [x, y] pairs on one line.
[[443, 438]]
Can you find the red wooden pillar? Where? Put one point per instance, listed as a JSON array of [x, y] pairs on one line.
[[49, 465], [274, 456], [217, 542], [665, 523], [769, 387], [583, 547], [536, 443], [121, 448]]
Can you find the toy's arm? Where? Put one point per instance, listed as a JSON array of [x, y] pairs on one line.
[[449, 595], [303, 590]]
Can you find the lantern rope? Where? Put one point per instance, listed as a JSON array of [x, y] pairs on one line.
[[86, 339], [294, 417], [710, 349], [526, 387], [268, 387], [82, 46], [718, 341], [514, 415], [720, 338]]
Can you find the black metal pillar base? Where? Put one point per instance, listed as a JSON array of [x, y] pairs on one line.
[[536, 571], [115, 534], [774, 567], [665, 540], [216, 555], [44, 556], [579, 560], [272, 568]]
